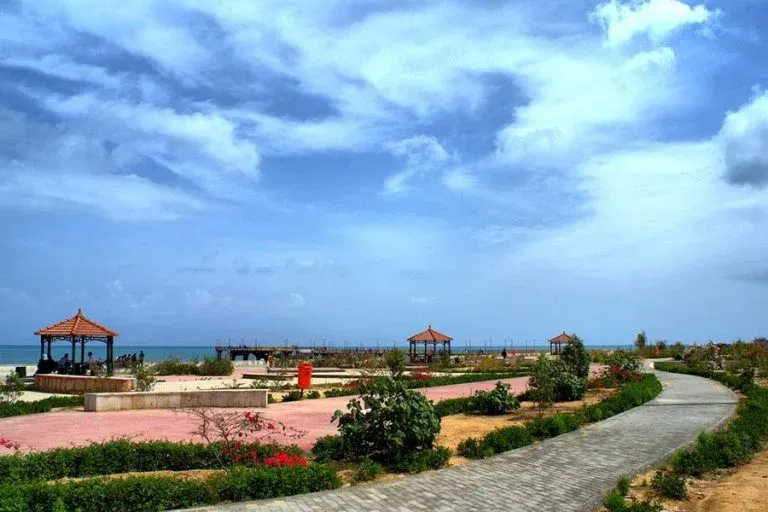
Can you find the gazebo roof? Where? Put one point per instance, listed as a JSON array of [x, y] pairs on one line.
[[562, 338], [78, 325], [430, 335]]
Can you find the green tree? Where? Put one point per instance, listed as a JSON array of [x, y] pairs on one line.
[[395, 360], [576, 358], [641, 341], [542, 380]]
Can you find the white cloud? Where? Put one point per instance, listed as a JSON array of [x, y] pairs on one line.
[[117, 197], [296, 300], [656, 19], [421, 155], [744, 139]]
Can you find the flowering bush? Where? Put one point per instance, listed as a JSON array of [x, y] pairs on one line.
[[7, 443], [422, 376], [614, 376], [285, 459]]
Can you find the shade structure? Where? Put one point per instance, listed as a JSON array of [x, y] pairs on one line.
[[78, 329], [556, 343], [426, 337]]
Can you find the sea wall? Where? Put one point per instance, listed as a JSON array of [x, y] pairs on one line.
[[240, 398], [72, 384]]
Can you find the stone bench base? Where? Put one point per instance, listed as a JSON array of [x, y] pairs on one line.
[[241, 398], [54, 383]]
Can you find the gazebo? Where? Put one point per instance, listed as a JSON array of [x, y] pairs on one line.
[[78, 329], [427, 337], [556, 343]]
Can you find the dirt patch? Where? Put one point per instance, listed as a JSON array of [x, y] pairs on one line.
[[457, 427]]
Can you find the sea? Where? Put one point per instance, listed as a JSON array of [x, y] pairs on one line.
[[30, 354]]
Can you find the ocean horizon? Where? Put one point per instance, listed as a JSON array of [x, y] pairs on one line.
[[29, 353]]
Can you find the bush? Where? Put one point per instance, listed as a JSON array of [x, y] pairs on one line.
[[145, 381], [314, 394], [395, 360], [622, 486], [388, 422], [670, 485], [624, 360], [451, 406], [12, 389], [173, 366], [552, 382], [45, 405], [122, 456], [495, 402], [141, 494], [509, 438], [473, 448], [366, 471], [576, 358], [216, 367], [328, 448], [707, 357], [417, 462], [292, 396]]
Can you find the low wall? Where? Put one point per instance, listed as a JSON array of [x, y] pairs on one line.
[[53, 383], [242, 398]]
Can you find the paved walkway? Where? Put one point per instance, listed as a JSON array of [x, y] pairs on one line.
[[571, 472]]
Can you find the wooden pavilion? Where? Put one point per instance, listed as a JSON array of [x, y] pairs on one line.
[[556, 343], [427, 337], [78, 329]]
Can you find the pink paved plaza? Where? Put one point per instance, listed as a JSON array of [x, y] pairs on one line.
[[72, 428]]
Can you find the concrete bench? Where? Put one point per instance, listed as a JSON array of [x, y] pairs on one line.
[[240, 398]]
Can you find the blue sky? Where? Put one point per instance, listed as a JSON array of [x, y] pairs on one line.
[[356, 169]]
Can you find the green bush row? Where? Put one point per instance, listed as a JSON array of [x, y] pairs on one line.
[[120, 456], [497, 401], [444, 380], [45, 405], [508, 438], [208, 367], [141, 494], [736, 443]]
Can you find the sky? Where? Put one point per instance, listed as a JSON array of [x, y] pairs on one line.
[[355, 170]]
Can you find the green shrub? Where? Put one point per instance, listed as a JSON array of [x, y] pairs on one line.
[[509, 438], [614, 502], [292, 396], [451, 406], [417, 462], [314, 394], [145, 381], [328, 448], [142, 494], [473, 448], [216, 367], [366, 471], [624, 360], [45, 405], [395, 360], [576, 358], [121, 456], [622, 485], [388, 422], [495, 402], [670, 485], [173, 366]]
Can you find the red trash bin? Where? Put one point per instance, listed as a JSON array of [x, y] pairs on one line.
[[305, 375]]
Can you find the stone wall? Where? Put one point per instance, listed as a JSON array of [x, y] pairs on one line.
[[53, 383], [243, 398]]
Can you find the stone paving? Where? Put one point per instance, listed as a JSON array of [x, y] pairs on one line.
[[571, 472]]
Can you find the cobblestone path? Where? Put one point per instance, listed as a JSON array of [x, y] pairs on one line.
[[571, 472]]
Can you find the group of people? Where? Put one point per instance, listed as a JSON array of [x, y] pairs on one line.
[[130, 360]]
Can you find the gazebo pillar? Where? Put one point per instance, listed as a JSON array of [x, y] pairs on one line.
[[82, 349], [50, 338], [74, 352], [110, 356], [42, 346]]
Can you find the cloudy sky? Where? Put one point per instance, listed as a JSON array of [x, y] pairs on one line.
[[352, 170]]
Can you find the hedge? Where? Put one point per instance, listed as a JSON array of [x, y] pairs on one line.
[[45, 405], [508, 438], [141, 494], [444, 380], [736, 443], [120, 456]]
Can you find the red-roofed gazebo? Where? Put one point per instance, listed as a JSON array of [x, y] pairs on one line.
[[78, 328], [556, 343], [427, 337]]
